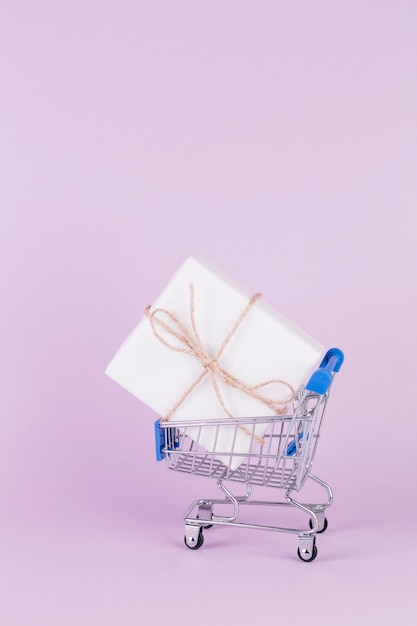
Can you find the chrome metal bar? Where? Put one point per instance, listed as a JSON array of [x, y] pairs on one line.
[[280, 529], [233, 500], [314, 519], [325, 486]]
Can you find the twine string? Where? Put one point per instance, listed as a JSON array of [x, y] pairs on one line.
[[191, 343]]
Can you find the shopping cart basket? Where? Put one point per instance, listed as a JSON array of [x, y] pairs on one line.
[[281, 458]]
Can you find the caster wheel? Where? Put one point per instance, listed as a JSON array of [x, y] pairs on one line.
[[206, 525], [325, 525], [308, 557], [195, 545]]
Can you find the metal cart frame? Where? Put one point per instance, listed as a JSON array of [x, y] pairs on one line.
[[281, 459]]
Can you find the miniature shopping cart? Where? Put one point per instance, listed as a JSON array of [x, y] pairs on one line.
[[281, 457]]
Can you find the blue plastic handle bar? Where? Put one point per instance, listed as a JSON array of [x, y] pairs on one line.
[[159, 442], [321, 379]]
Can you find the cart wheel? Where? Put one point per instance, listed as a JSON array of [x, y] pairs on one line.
[[205, 525], [194, 545], [307, 557], [325, 525]]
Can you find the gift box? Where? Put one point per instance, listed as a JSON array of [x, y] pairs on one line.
[[209, 349]]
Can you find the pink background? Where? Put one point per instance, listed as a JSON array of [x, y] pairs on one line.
[[278, 139]]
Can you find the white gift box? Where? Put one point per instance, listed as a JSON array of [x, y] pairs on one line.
[[264, 346]]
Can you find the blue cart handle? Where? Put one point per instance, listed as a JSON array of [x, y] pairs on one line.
[[321, 379]]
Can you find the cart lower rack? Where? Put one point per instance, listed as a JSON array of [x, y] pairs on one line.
[[278, 452]]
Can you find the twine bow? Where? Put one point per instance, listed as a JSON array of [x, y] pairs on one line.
[[191, 343]]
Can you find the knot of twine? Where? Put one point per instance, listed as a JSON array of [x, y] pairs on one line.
[[190, 343]]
